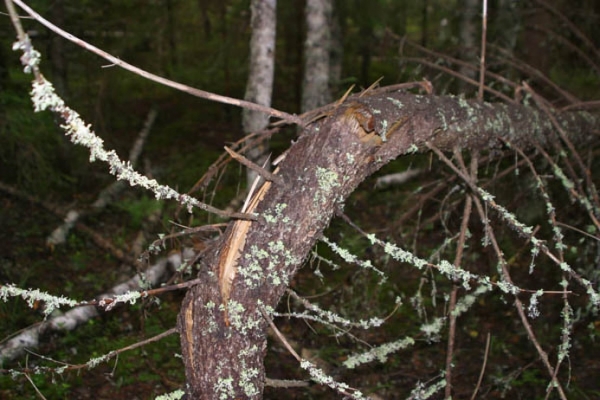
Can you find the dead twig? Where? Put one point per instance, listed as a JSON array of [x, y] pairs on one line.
[[257, 168], [293, 119], [519, 305], [285, 383], [505, 272], [108, 194], [92, 363], [481, 373], [30, 337], [464, 226], [483, 46]]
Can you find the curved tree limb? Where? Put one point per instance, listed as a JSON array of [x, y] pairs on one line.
[[329, 160]]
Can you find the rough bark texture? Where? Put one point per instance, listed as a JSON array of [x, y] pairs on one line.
[[325, 165]]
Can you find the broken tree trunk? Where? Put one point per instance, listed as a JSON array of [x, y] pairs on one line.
[[223, 345]]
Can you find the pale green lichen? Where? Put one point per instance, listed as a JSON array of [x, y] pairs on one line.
[[94, 362], [445, 267], [212, 325], [224, 388], [321, 377], [235, 312], [433, 330], [398, 253], [280, 255], [45, 98], [566, 182], [423, 392], [275, 216], [535, 250], [333, 320], [442, 117], [327, 317], [463, 103], [396, 102], [465, 303], [383, 130], [176, 395], [252, 272], [509, 217], [533, 310], [267, 264], [327, 179], [129, 297], [320, 259], [34, 295], [246, 381], [351, 258], [31, 57], [61, 370], [412, 149], [379, 353], [567, 329], [507, 287], [248, 375], [240, 320], [594, 295]]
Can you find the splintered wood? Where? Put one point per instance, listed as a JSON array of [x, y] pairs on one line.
[[235, 243]]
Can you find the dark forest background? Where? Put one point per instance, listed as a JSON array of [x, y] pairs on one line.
[[204, 44]]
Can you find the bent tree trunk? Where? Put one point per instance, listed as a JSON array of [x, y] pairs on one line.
[[223, 345]]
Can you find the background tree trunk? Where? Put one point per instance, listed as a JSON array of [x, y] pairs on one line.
[[260, 79], [57, 52], [336, 52], [468, 35], [317, 47], [330, 159]]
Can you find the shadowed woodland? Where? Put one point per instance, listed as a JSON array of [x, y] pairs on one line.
[[397, 201]]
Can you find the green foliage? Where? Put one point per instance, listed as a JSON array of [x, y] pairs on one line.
[[151, 363], [139, 209], [31, 148], [577, 80]]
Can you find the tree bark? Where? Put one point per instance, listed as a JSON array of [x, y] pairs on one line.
[[468, 39], [223, 352], [317, 47], [57, 52], [260, 77]]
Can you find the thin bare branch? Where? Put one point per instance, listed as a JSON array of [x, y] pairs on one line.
[[483, 47], [481, 373], [458, 75], [458, 261], [507, 58], [571, 26], [561, 132], [518, 304], [280, 336], [37, 391], [158, 79], [257, 168], [285, 383]]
